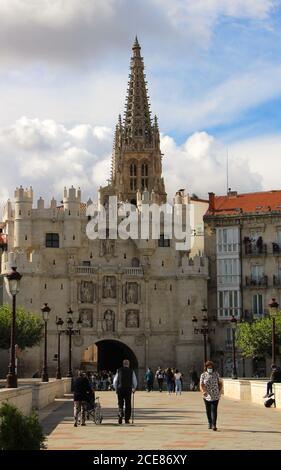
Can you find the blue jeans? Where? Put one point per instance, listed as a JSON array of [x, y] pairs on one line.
[[211, 411], [178, 385]]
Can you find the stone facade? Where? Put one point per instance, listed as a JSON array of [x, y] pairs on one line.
[[137, 295], [243, 244]]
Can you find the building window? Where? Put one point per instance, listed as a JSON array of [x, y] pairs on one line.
[[257, 304], [133, 177], [52, 240], [144, 176], [163, 242], [228, 271], [228, 240], [228, 303]]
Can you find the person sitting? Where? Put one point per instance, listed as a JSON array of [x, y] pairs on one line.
[[275, 377]]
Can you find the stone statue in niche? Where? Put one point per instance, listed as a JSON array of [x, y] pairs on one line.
[[109, 287], [131, 293], [132, 319], [109, 321], [86, 292], [86, 316], [107, 247]]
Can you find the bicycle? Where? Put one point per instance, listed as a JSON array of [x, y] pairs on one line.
[[94, 411]]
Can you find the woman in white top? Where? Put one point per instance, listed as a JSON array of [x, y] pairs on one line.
[[177, 376], [210, 386]]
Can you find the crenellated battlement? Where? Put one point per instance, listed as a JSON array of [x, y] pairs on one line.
[[24, 195], [71, 195]]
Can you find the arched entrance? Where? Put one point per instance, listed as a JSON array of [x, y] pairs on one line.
[[108, 354]]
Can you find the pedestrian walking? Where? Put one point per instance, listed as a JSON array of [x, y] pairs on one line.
[[178, 381], [194, 379], [124, 383], [149, 379], [210, 386], [82, 393], [159, 376], [170, 380]]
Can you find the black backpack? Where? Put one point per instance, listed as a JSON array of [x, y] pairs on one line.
[[269, 402]]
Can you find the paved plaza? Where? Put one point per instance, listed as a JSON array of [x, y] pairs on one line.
[[165, 422]]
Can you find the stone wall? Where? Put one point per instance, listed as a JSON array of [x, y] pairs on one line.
[[33, 394], [250, 390]]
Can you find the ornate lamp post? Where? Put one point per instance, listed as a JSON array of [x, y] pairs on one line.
[[203, 330], [70, 331], [13, 285], [59, 324], [233, 323], [45, 313], [273, 310]]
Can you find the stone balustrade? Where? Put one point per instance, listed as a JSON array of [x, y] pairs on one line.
[[34, 394], [250, 390]]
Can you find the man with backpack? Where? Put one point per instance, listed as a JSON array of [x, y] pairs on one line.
[[125, 382]]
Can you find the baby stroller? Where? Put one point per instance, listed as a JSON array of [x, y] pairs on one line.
[[269, 401], [94, 411]]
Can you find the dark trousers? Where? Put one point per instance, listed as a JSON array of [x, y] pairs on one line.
[[149, 385], [269, 387], [160, 384], [211, 410], [124, 396]]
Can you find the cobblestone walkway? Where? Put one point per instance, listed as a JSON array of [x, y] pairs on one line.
[[165, 422]]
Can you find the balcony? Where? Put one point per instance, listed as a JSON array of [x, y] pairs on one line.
[[255, 249], [133, 271], [85, 270], [277, 280], [256, 281], [276, 248], [250, 315]]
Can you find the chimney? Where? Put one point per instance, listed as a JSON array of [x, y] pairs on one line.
[[211, 202]]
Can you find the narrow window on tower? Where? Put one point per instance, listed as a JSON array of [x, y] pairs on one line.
[[133, 177], [144, 176]]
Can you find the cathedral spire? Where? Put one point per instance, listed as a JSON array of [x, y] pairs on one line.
[[137, 120]]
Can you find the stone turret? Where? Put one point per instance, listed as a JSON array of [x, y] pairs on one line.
[[23, 210], [72, 217]]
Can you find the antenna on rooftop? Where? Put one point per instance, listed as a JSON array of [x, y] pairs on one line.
[[227, 185]]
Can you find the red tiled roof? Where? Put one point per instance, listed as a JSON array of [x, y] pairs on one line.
[[262, 202]]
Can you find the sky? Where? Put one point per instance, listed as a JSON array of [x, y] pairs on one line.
[[214, 77]]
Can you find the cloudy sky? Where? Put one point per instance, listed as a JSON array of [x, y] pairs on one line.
[[214, 75]]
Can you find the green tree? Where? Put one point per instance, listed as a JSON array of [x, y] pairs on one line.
[[28, 328], [19, 432], [255, 339]]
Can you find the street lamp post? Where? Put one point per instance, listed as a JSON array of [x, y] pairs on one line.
[[13, 281], [45, 313], [203, 330], [273, 310], [59, 324], [233, 323], [70, 331]]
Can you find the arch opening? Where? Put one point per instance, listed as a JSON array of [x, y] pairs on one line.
[[108, 355]]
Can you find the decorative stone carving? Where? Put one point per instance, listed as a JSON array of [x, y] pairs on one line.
[[86, 292], [86, 316], [108, 321], [132, 319], [107, 248], [140, 340], [131, 294], [109, 287], [78, 341]]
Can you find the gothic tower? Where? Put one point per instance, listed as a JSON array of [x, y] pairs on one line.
[[136, 158]]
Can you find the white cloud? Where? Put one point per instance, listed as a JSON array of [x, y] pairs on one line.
[[199, 165], [263, 155], [49, 156], [68, 31]]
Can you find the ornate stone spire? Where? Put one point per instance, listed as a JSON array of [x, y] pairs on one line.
[[136, 159], [137, 120]]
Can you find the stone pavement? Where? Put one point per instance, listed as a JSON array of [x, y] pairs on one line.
[[165, 422]]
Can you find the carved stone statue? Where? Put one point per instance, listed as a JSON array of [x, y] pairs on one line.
[[86, 292], [109, 321], [132, 293], [132, 319], [107, 247], [86, 316], [109, 287]]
